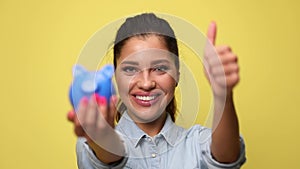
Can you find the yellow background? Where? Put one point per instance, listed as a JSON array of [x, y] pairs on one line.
[[40, 41]]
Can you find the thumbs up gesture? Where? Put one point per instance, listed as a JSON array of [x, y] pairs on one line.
[[220, 65]]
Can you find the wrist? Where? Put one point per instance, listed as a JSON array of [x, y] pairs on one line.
[[105, 156], [227, 95]]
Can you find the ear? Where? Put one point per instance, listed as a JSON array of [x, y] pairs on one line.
[[107, 71], [78, 70]]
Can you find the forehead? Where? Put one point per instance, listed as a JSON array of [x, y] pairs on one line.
[[150, 44]]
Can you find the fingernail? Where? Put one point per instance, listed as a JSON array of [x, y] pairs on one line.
[[100, 99], [96, 97]]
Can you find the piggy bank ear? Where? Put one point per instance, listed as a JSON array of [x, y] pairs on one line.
[[78, 70], [108, 70]]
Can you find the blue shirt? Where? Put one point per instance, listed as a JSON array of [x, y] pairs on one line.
[[173, 148]]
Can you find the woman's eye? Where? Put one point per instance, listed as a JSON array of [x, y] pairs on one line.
[[129, 69], [161, 68]]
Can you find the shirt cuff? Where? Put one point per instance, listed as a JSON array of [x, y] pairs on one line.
[[213, 164], [86, 159]]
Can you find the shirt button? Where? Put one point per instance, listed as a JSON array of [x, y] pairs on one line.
[[153, 155], [149, 139]]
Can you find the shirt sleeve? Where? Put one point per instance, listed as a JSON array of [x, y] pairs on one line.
[[86, 159], [211, 163]]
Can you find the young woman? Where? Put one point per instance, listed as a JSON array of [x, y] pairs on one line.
[[147, 73]]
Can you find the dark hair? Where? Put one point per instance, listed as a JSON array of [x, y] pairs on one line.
[[144, 25]]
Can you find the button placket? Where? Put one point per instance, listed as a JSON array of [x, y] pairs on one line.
[[149, 139], [155, 161], [153, 155]]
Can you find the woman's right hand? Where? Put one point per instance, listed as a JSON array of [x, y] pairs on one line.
[[94, 120], [93, 117]]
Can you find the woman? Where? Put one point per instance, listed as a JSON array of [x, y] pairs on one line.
[[147, 73]]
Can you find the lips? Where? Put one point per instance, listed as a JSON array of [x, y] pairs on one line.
[[145, 99]]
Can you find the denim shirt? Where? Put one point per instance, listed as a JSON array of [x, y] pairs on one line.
[[173, 148]]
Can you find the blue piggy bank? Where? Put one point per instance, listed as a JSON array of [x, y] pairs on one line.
[[86, 83]]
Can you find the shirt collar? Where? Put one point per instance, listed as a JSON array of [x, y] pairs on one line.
[[129, 130], [171, 132]]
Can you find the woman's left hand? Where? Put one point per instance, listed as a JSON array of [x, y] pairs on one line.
[[221, 65], [222, 71]]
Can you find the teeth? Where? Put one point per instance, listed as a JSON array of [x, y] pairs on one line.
[[145, 98]]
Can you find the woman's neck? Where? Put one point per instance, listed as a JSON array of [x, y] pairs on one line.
[[154, 127]]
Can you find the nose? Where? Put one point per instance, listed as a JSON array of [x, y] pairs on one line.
[[145, 80]]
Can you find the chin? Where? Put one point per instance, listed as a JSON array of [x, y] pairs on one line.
[[146, 115]]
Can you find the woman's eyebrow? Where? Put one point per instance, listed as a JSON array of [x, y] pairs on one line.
[[160, 61], [130, 63], [151, 63]]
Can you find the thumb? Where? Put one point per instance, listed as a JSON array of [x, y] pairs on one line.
[[209, 50], [212, 32]]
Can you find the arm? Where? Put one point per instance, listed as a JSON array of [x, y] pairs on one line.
[[94, 120], [225, 145], [222, 71]]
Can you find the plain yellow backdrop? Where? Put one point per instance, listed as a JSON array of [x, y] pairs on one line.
[[40, 42]]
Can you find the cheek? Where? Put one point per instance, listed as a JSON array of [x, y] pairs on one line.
[[168, 84], [123, 84], [120, 83]]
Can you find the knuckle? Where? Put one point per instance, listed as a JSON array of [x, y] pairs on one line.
[[235, 77], [234, 57], [227, 48], [234, 67]]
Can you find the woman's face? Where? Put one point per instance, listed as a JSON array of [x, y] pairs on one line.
[[146, 76]]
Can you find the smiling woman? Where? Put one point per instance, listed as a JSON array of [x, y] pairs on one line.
[[146, 76], [149, 86], [147, 73]]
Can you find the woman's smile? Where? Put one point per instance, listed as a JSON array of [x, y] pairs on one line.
[[145, 99]]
